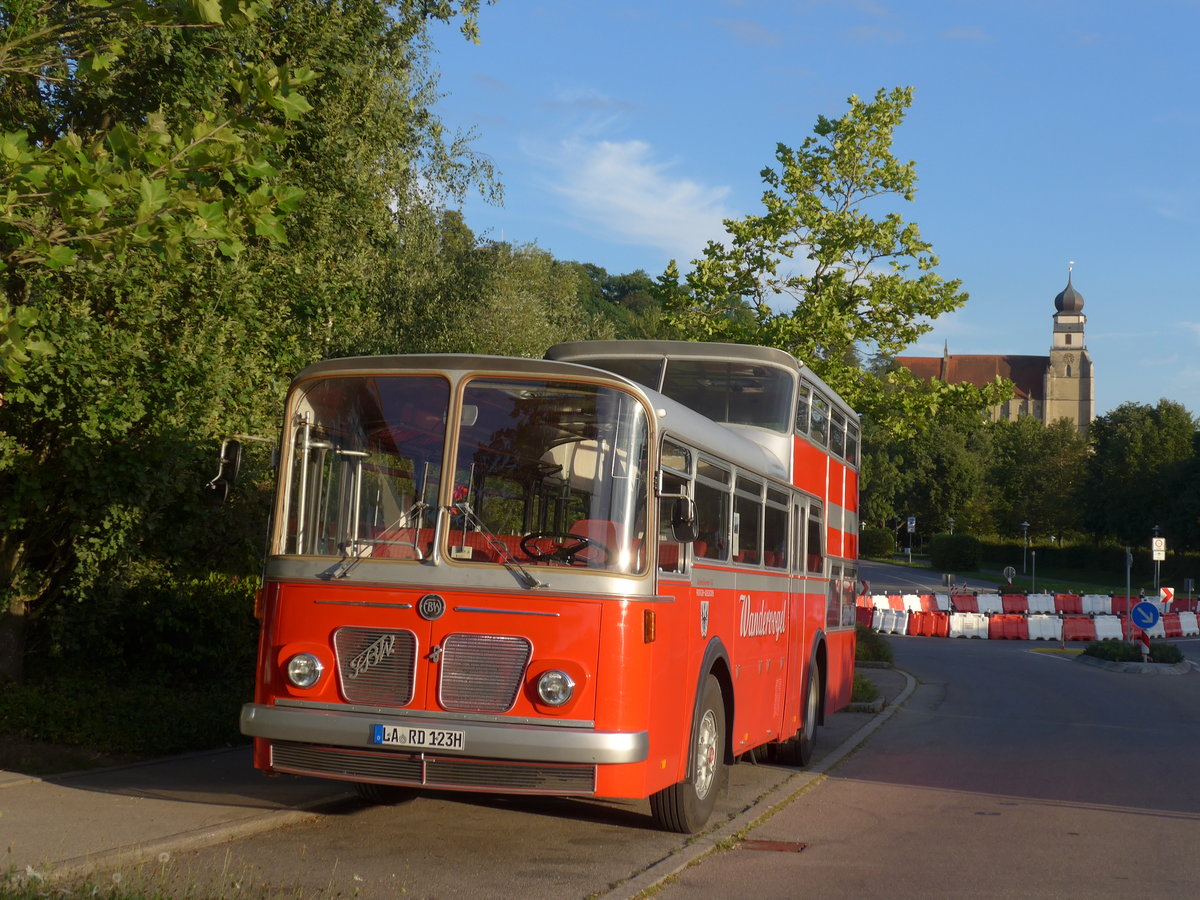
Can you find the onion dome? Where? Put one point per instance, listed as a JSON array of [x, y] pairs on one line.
[[1069, 300]]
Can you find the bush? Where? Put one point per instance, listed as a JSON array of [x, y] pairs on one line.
[[876, 543], [954, 553], [1115, 650], [871, 646], [864, 691]]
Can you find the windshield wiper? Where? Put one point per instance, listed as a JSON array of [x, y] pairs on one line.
[[501, 549]]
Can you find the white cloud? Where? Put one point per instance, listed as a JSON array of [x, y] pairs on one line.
[[619, 192]]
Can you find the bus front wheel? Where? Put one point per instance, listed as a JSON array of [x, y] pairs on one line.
[[685, 807]]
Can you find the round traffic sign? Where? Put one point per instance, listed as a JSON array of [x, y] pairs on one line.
[[1144, 615], [1009, 573]]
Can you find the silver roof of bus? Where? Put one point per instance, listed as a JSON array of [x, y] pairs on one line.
[[671, 415], [587, 352]]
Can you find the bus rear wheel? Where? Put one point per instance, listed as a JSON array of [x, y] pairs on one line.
[[798, 750], [685, 807]]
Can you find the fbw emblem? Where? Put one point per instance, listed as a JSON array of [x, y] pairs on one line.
[[431, 607], [703, 618]]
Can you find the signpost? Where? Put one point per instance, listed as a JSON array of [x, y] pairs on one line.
[[1009, 573]]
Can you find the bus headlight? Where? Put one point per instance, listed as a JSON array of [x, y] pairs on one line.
[[555, 687], [304, 670]]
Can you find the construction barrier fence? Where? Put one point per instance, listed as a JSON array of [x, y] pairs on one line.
[[1038, 617]]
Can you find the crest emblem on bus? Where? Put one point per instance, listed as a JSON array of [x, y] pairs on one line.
[[703, 618], [431, 607]]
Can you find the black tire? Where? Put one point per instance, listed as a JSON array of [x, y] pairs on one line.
[[798, 750], [686, 807], [384, 794]]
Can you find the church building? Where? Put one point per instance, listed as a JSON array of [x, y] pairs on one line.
[[1058, 386]]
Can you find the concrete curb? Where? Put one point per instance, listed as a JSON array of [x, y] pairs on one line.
[[1133, 668]]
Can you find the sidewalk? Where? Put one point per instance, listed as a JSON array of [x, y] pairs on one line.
[[66, 826]]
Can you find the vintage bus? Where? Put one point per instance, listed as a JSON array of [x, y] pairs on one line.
[[608, 573]]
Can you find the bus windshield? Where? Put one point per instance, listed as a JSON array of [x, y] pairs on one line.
[[546, 473], [366, 465], [556, 470]]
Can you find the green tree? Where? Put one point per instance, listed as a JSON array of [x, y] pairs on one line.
[[1037, 473], [1140, 454], [155, 262], [821, 274]]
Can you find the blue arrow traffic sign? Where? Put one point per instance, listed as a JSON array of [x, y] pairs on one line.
[[1144, 615]]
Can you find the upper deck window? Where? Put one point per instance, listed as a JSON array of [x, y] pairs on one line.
[[732, 392], [819, 428]]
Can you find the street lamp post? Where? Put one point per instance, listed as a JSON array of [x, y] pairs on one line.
[[1155, 529], [1025, 547]]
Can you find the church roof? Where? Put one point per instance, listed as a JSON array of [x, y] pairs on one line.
[[1027, 373]]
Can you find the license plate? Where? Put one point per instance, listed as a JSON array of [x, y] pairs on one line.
[[423, 738]]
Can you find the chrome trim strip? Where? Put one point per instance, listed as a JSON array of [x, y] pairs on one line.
[[495, 741], [362, 603], [506, 612]]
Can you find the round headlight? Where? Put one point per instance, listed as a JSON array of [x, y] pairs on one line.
[[304, 670], [555, 687]]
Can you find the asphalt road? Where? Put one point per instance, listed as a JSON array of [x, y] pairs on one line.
[[885, 578], [1008, 773]]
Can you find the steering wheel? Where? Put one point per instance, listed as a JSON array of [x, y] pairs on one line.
[[561, 546]]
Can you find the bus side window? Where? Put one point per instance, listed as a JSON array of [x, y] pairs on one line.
[[815, 546], [802, 410], [837, 433], [819, 428], [833, 602], [775, 530], [852, 444], [747, 509], [712, 510]]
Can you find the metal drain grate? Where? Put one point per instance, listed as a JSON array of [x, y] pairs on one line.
[[773, 846]]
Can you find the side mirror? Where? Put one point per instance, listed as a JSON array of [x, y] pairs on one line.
[[217, 490], [684, 527]]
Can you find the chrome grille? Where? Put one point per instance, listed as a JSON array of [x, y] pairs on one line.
[[482, 672], [384, 767], [376, 665]]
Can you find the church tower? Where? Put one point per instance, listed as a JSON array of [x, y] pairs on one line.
[[1070, 391]]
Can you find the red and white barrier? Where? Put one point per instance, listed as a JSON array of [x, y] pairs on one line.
[[968, 625], [1097, 605], [1109, 627], [1049, 617], [1044, 627], [1040, 604]]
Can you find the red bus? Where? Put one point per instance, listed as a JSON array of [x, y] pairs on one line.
[[608, 573]]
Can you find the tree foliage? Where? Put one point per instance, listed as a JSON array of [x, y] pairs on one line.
[[827, 273], [1141, 456], [186, 228]]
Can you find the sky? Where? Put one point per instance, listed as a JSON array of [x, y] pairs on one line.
[[1044, 134]]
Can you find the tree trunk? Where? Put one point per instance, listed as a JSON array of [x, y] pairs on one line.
[[12, 643]]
